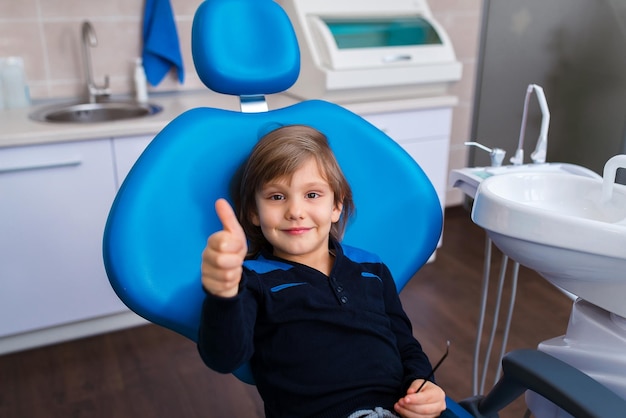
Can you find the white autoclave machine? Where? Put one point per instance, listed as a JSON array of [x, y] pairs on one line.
[[370, 49]]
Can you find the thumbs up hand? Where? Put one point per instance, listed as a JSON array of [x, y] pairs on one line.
[[222, 258]]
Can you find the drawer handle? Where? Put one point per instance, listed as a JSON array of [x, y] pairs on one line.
[[396, 58], [42, 165]]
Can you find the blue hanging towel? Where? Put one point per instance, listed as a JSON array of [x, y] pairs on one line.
[[161, 49]]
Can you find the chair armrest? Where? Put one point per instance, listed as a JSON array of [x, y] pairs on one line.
[[555, 380]]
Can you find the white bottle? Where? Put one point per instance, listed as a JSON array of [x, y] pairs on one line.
[[15, 89], [141, 86]]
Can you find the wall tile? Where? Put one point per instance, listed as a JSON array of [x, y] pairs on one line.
[[461, 124], [14, 9], [464, 30], [455, 6], [90, 9], [23, 38], [185, 7], [47, 34], [458, 159]]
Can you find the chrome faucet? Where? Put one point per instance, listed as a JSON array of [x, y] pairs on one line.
[[89, 40]]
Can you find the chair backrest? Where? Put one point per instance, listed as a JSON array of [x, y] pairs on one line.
[[163, 213]]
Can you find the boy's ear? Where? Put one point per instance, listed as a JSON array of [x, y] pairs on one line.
[[254, 218], [337, 212]]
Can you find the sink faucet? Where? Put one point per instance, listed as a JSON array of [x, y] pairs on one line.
[[89, 40]]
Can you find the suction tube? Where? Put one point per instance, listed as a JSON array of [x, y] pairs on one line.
[[539, 155]]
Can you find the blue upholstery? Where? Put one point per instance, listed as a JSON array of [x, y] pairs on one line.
[[163, 213], [244, 47]]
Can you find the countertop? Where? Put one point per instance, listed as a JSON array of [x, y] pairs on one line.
[[16, 128]]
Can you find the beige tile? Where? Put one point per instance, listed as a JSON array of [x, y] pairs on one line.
[[54, 60], [23, 39], [67, 89], [118, 45], [38, 90], [458, 156], [90, 9], [454, 197], [62, 43], [464, 88], [458, 159], [14, 9], [464, 32], [455, 6], [184, 38], [185, 7], [461, 124]]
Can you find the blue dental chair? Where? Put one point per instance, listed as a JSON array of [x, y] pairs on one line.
[[163, 213]]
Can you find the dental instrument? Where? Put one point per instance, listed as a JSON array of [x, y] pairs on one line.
[[539, 155], [495, 154], [432, 372]]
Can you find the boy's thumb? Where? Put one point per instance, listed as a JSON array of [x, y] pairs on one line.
[[227, 217]]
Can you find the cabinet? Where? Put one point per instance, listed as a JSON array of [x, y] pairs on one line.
[[54, 202], [126, 151], [425, 135]]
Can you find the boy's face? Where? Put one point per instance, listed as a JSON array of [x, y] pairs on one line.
[[295, 215]]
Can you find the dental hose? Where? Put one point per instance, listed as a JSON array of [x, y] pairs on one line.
[[509, 317], [518, 158], [481, 320], [494, 326]]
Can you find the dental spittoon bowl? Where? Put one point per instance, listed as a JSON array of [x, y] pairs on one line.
[[561, 226]]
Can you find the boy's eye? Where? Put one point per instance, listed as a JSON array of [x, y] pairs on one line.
[[276, 197], [312, 195]]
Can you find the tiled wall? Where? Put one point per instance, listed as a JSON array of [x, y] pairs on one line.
[[46, 33], [462, 21]]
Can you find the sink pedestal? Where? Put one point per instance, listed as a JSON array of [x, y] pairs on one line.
[[595, 343]]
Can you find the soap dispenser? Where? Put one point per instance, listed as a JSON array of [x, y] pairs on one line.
[[141, 86]]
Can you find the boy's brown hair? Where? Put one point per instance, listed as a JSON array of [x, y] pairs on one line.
[[279, 154]]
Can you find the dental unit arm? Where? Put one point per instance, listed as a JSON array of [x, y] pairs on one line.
[[469, 178], [539, 155]]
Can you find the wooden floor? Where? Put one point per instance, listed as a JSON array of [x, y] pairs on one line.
[[151, 372]]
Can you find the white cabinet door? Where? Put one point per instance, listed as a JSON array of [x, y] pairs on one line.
[[126, 151], [425, 135], [54, 200]]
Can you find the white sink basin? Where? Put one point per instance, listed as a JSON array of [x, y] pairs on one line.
[[558, 225]]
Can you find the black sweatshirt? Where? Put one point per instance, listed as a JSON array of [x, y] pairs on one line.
[[318, 346]]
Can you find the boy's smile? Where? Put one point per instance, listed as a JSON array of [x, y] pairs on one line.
[[295, 215]]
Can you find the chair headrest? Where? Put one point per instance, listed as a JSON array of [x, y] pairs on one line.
[[244, 47]]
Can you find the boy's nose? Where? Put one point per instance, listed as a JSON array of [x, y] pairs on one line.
[[294, 209]]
